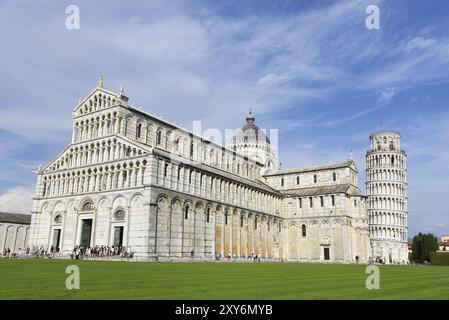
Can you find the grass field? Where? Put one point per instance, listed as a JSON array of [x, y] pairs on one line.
[[45, 279]]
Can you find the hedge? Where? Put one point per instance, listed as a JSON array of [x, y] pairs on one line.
[[439, 258]]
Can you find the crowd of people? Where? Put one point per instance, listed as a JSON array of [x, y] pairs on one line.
[[45, 252], [380, 260], [52, 252], [80, 252], [233, 257], [7, 253]]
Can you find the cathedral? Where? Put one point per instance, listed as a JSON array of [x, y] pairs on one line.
[[130, 179]]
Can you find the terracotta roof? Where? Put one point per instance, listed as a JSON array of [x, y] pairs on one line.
[[15, 218], [312, 191], [316, 168], [231, 176]]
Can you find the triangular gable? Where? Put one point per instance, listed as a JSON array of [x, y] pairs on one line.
[[57, 163], [353, 165], [99, 98]]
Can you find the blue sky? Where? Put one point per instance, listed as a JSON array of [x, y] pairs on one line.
[[309, 68]]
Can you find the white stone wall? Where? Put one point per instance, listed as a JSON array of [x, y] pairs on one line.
[[312, 178], [13, 236], [343, 228], [136, 222]]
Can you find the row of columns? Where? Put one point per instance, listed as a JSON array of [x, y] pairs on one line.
[[394, 189], [384, 174], [386, 233], [188, 180], [96, 181], [95, 128], [388, 218], [246, 234], [86, 155], [386, 203], [207, 233], [385, 160]]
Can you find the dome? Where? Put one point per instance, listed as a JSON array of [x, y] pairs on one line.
[[252, 142], [250, 133]]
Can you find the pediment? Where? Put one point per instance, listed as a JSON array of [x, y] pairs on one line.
[[65, 159], [99, 99], [353, 165]]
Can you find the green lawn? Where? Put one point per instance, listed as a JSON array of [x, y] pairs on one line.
[[45, 279]]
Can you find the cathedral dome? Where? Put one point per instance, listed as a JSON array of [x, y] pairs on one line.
[[250, 133], [252, 142]]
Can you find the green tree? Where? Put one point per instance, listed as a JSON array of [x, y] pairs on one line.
[[415, 248], [423, 245]]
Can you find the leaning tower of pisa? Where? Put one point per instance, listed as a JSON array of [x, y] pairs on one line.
[[386, 188]]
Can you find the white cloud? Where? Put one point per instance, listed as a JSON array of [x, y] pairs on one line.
[[173, 61], [17, 200], [418, 43], [185, 61], [386, 95]]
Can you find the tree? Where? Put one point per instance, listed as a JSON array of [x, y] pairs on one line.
[[423, 245], [416, 253]]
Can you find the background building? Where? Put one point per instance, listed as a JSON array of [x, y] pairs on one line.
[[443, 244], [324, 213], [386, 187], [14, 230]]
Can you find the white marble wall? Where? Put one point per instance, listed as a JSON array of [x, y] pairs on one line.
[[13, 236]]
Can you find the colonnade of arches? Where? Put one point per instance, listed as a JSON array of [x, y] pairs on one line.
[[195, 228], [386, 188], [387, 203], [376, 174], [190, 180], [97, 102], [94, 153], [377, 160], [124, 174], [388, 218], [100, 125], [388, 233], [198, 150]]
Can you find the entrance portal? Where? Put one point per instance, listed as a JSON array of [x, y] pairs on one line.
[[56, 238], [118, 236], [86, 231], [326, 253]]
